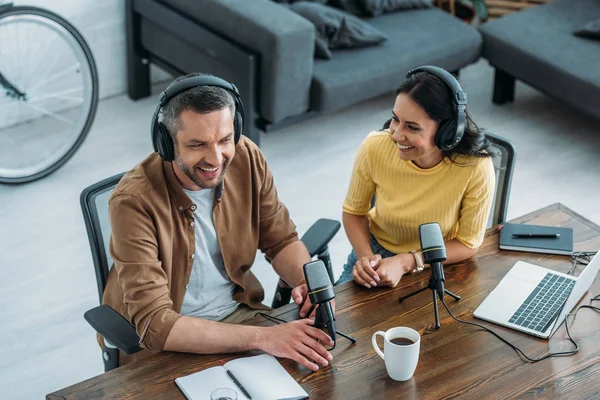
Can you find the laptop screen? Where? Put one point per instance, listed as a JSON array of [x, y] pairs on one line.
[[584, 281]]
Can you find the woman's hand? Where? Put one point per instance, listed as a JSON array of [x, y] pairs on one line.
[[364, 271], [390, 270]]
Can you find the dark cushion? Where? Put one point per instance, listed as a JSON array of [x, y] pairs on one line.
[[336, 28], [417, 37], [590, 30], [373, 8], [537, 46]]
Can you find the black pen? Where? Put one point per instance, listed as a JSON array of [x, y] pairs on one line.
[[238, 384], [537, 235]]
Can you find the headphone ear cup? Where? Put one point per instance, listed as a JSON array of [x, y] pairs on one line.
[[165, 145], [445, 136], [238, 127]]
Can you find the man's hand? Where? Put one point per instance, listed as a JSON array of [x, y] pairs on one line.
[[391, 269], [300, 294], [364, 271], [298, 341]]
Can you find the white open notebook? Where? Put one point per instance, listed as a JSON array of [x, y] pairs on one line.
[[261, 376]]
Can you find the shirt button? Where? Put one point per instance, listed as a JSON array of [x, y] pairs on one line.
[[193, 255], [192, 223], [180, 208], [193, 208]]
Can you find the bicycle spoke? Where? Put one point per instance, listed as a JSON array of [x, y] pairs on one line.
[[57, 75], [49, 113], [58, 95]]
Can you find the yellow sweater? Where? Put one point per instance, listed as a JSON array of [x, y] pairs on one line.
[[458, 197]]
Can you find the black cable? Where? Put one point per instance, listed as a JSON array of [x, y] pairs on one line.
[[270, 318], [581, 257], [519, 351]]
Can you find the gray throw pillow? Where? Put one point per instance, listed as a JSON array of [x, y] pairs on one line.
[[590, 30], [336, 28], [373, 8]]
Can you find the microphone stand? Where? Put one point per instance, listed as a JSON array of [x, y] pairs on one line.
[[432, 285], [321, 323]]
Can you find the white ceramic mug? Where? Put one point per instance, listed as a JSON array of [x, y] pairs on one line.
[[400, 360]]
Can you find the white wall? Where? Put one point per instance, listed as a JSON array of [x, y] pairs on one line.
[[102, 23]]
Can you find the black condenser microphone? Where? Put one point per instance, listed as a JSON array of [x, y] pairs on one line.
[[434, 252], [320, 293]]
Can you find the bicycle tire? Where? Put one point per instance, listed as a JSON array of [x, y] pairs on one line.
[[41, 12]]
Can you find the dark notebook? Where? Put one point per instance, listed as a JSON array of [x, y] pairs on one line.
[[562, 244]]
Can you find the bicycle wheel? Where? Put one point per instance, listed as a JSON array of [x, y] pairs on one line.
[[48, 92]]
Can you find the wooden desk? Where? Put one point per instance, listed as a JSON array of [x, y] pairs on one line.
[[456, 361]]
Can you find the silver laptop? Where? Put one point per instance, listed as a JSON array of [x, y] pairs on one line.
[[529, 298]]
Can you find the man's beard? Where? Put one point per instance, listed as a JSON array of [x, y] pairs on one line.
[[189, 172]]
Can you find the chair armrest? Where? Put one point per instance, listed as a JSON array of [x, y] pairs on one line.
[[283, 39], [114, 328], [319, 235]]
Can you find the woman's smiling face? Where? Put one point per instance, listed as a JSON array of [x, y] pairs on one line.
[[414, 131]]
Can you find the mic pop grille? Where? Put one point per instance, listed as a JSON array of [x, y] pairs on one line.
[[431, 235], [316, 275]]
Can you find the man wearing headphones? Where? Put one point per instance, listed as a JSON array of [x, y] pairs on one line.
[[429, 164], [186, 224]]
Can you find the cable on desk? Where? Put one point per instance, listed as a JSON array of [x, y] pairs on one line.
[[581, 258], [270, 318], [519, 351]]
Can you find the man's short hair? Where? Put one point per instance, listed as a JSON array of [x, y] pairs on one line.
[[200, 99]]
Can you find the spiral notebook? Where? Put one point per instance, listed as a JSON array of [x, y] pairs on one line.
[[256, 378]]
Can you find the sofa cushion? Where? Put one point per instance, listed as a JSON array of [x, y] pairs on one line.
[[416, 37], [537, 46], [590, 30], [338, 28]]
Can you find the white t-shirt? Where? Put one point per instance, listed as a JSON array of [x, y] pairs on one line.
[[209, 293]]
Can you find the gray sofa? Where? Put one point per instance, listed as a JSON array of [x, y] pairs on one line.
[[267, 51], [537, 46]]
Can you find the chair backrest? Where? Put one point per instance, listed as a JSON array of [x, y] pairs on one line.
[[503, 155], [94, 205]]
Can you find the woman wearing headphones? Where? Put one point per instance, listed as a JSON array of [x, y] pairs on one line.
[[429, 165]]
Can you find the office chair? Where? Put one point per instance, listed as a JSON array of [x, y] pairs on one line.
[[118, 333], [503, 156]]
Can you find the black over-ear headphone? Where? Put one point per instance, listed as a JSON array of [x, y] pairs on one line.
[[450, 131], [162, 139]]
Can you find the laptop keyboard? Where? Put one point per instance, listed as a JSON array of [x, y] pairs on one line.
[[539, 309]]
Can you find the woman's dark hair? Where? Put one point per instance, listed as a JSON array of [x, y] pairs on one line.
[[436, 98]]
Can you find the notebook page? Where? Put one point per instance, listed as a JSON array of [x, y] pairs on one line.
[[199, 385], [264, 378]]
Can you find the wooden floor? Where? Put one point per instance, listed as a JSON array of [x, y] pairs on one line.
[[47, 274]]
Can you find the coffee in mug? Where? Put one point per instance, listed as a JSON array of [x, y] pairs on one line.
[[402, 341]]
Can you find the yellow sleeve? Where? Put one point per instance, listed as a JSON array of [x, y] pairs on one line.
[[476, 205], [362, 187]]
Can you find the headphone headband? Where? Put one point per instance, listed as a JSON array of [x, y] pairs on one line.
[[448, 137], [193, 81]]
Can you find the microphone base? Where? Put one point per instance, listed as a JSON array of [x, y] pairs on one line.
[[431, 285]]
